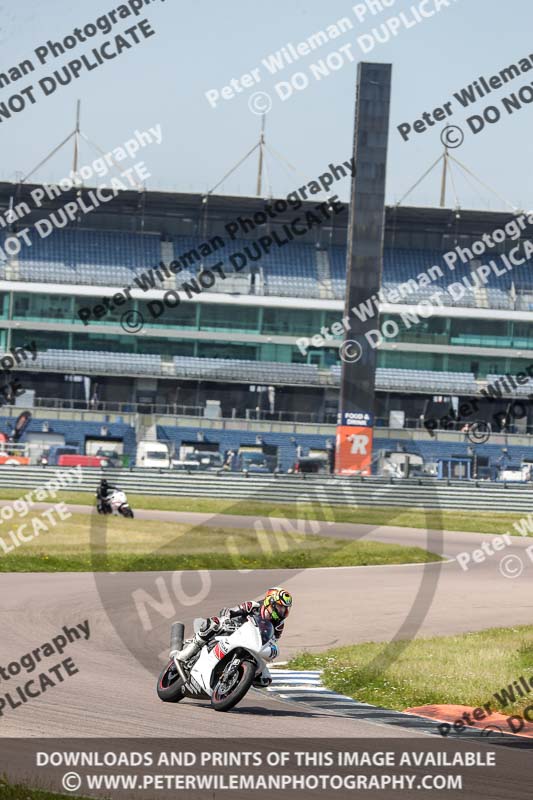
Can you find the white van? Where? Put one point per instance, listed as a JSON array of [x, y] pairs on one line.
[[153, 454]]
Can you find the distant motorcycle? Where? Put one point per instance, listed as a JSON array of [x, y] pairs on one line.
[[223, 670], [116, 504]]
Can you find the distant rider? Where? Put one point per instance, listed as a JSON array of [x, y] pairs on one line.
[[103, 494], [274, 608]]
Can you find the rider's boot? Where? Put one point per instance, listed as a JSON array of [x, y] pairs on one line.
[[210, 627], [190, 650]]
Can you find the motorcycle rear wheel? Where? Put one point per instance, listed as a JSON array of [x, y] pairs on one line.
[[223, 702], [170, 686]]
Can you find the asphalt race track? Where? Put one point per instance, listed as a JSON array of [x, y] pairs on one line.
[[114, 695]]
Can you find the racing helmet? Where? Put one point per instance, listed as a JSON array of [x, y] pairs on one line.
[[276, 605]]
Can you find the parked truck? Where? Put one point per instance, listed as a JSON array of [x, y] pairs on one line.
[[153, 454]]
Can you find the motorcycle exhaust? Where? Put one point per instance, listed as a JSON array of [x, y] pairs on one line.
[[176, 643], [176, 636]]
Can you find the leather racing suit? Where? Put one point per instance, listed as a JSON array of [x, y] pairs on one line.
[[215, 625]]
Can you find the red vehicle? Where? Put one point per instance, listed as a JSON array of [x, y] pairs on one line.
[[72, 460]]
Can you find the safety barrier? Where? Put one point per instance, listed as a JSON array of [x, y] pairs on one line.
[[410, 493]]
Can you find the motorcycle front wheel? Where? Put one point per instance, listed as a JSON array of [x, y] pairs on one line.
[[224, 698], [127, 512], [170, 686]]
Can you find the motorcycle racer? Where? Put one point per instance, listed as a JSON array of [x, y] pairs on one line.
[[103, 493], [274, 608]]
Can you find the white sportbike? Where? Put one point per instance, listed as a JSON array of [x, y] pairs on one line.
[[116, 504], [224, 669]]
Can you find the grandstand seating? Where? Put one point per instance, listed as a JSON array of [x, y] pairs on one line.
[[87, 257], [289, 270], [459, 382], [245, 371], [99, 361], [525, 389], [421, 379], [497, 298], [115, 257]]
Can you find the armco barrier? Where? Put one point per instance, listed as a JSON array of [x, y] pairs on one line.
[[412, 493]]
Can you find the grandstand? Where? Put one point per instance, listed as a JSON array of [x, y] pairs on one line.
[[239, 343], [104, 258]]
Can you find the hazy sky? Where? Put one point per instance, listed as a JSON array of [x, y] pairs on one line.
[[202, 45]]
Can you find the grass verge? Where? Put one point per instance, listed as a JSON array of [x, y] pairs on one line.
[[145, 545], [478, 522], [459, 670]]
